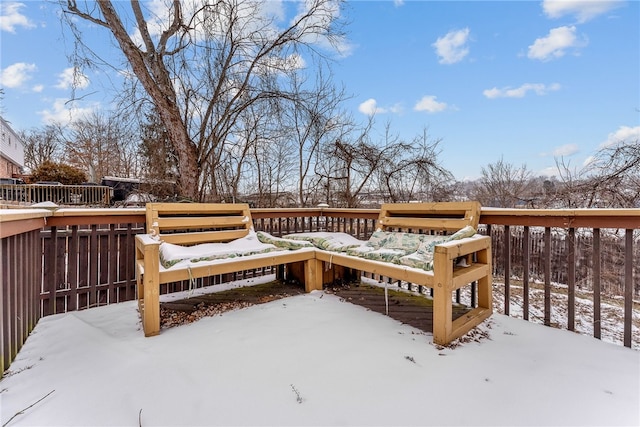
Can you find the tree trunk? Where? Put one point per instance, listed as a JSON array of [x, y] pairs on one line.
[[152, 73]]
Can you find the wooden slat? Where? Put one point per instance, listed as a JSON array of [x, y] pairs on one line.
[[196, 222], [449, 216], [628, 287], [195, 208], [203, 237], [232, 265], [48, 291], [462, 276], [423, 223], [84, 261], [525, 273], [93, 265], [72, 274], [596, 283], [547, 276], [571, 279], [398, 272], [112, 256], [468, 321], [457, 248], [507, 269]]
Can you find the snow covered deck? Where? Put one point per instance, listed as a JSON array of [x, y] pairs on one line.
[[313, 359]]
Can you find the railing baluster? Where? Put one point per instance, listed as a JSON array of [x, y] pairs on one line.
[[547, 276], [72, 274], [113, 264], [628, 286], [507, 268], [525, 273], [571, 279], [93, 265], [596, 283]]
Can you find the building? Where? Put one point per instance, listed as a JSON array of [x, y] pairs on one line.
[[11, 152]]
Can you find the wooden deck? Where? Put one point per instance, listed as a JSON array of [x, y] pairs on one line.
[[414, 310]]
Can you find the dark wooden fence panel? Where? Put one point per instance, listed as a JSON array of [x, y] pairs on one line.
[[21, 267], [93, 265], [598, 256]]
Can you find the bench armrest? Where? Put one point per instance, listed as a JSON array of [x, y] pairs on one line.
[[457, 248], [148, 282], [146, 239]]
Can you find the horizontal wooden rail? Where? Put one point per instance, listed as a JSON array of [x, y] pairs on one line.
[[563, 218]]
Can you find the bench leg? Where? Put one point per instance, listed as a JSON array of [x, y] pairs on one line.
[[149, 293], [442, 300], [150, 304], [312, 275], [485, 292]]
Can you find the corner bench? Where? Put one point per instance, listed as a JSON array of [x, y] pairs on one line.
[[446, 276], [195, 223]]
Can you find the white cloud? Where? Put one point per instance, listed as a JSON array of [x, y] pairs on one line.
[[549, 171], [10, 17], [17, 74], [520, 92], [565, 150], [452, 47], [370, 107], [278, 64], [398, 3], [583, 10], [72, 78], [555, 44], [38, 88], [430, 105], [64, 112], [624, 133]]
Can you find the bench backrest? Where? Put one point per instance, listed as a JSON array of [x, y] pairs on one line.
[[441, 217], [193, 223]]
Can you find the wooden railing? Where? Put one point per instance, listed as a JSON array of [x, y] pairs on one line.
[[68, 195], [593, 251], [79, 258], [21, 267]]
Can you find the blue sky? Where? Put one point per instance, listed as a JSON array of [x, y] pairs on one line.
[[525, 81]]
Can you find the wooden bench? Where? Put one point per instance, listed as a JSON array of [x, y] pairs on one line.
[[195, 223], [445, 277]]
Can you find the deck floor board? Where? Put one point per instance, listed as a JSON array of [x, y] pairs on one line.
[[409, 308]]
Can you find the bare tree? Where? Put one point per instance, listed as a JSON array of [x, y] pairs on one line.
[[313, 118], [42, 145], [503, 185], [360, 170], [101, 145], [610, 180], [413, 171], [203, 63]]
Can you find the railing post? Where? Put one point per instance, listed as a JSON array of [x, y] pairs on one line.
[[507, 268], [525, 273], [571, 279], [547, 276], [628, 286], [596, 283]]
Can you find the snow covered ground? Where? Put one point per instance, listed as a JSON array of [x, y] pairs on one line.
[[312, 359]]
